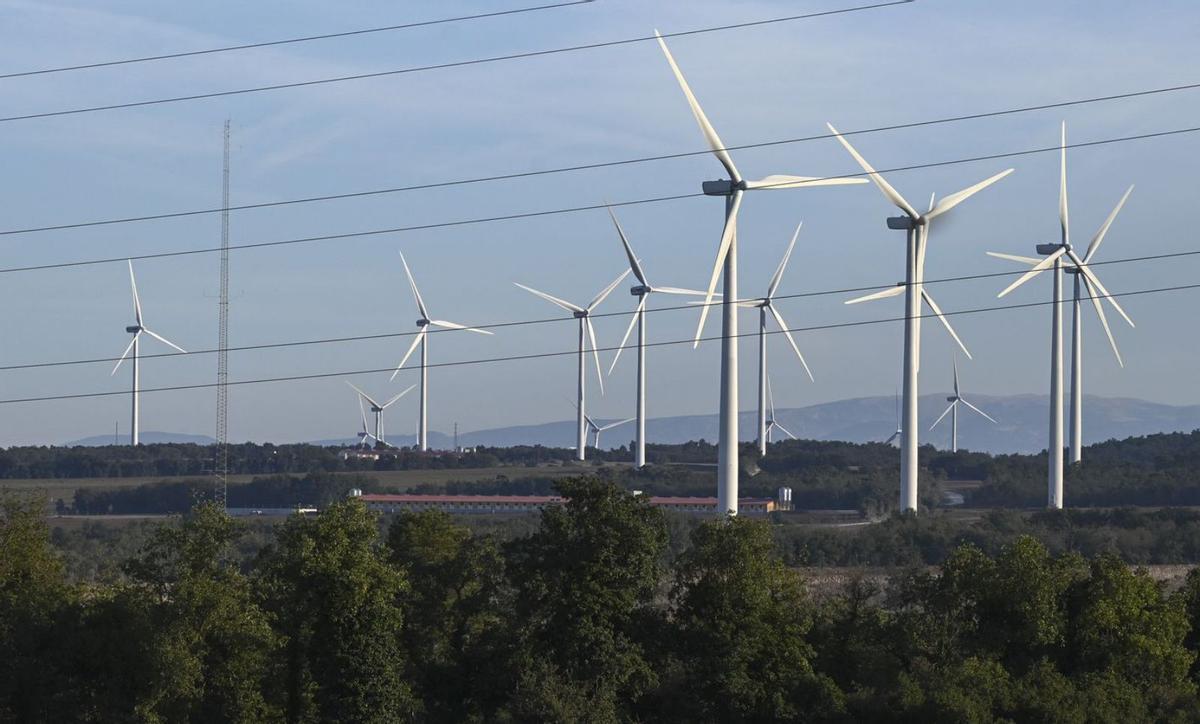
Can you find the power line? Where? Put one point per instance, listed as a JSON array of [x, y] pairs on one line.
[[550, 320], [573, 352], [571, 209], [437, 66], [604, 164], [289, 41]]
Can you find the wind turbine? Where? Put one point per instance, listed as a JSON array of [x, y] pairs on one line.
[[899, 428], [586, 330], [916, 225], [137, 329], [1085, 279], [422, 339], [597, 429], [365, 434], [765, 306], [771, 423], [731, 189], [378, 409], [955, 400], [642, 291]]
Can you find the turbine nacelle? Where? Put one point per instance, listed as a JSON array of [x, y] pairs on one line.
[[134, 329], [1048, 249], [723, 187], [422, 322], [580, 314], [640, 291], [903, 223]]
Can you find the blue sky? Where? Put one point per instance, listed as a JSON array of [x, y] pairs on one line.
[[930, 59]]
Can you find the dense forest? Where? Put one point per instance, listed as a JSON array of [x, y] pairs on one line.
[[593, 614]]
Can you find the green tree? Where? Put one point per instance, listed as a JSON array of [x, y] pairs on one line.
[[739, 622], [212, 643], [585, 585], [456, 615], [334, 598]]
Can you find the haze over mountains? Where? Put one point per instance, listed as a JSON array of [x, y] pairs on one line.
[[1021, 428]]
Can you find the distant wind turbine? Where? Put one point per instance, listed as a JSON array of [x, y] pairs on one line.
[[731, 189], [1085, 279], [899, 429], [422, 339], [916, 225], [378, 409], [771, 422], [137, 329], [955, 400], [365, 433], [597, 429], [642, 291], [586, 331]]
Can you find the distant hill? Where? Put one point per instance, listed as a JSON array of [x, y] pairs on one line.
[[145, 437], [1022, 423]]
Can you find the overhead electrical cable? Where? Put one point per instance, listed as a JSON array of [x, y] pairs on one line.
[[602, 164], [290, 41], [569, 209], [574, 352], [436, 66], [549, 320]]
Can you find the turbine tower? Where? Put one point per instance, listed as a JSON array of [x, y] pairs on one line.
[[586, 331], [1085, 279], [731, 189], [422, 339], [378, 409], [916, 226], [137, 330], [642, 291], [955, 400]]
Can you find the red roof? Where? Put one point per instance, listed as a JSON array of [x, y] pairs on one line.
[[533, 499]]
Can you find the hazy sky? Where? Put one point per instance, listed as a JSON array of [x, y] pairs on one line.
[[930, 59]]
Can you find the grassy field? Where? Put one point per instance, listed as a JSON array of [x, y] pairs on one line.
[[65, 488]]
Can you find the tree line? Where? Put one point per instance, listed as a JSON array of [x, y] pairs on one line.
[[591, 616]]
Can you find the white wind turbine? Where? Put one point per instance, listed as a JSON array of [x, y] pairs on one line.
[[137, 329], [955, 400], [378, 409], [365, 434], [586, 331], [916, 225], [597, 429], [731, 189], [771, 423], [642, 291], [1085, 280], [422, 339]]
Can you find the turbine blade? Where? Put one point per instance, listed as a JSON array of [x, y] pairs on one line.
[[786, 431], [1099, 305], [677, 290], [788, 333], [1038, 268], [164, 340], [956, 391], [364, 395], [124, 354], [949, 202], [981, 412], [412, 283], [1014, 257], [595, 352], [611, 425], [893, 436], [607, 290], [1098, 239], [137, 304], [710, 133], [1095, 282], [632, 321], [363, 411], [727, 237], [411, 348], [886, 293], [408, 389], [892, 194], [784, 181], [455, 325], [633, 260], [946, 322], [1063, 214], [942, 416], [552, 299], [778, 277], [770, 399]]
